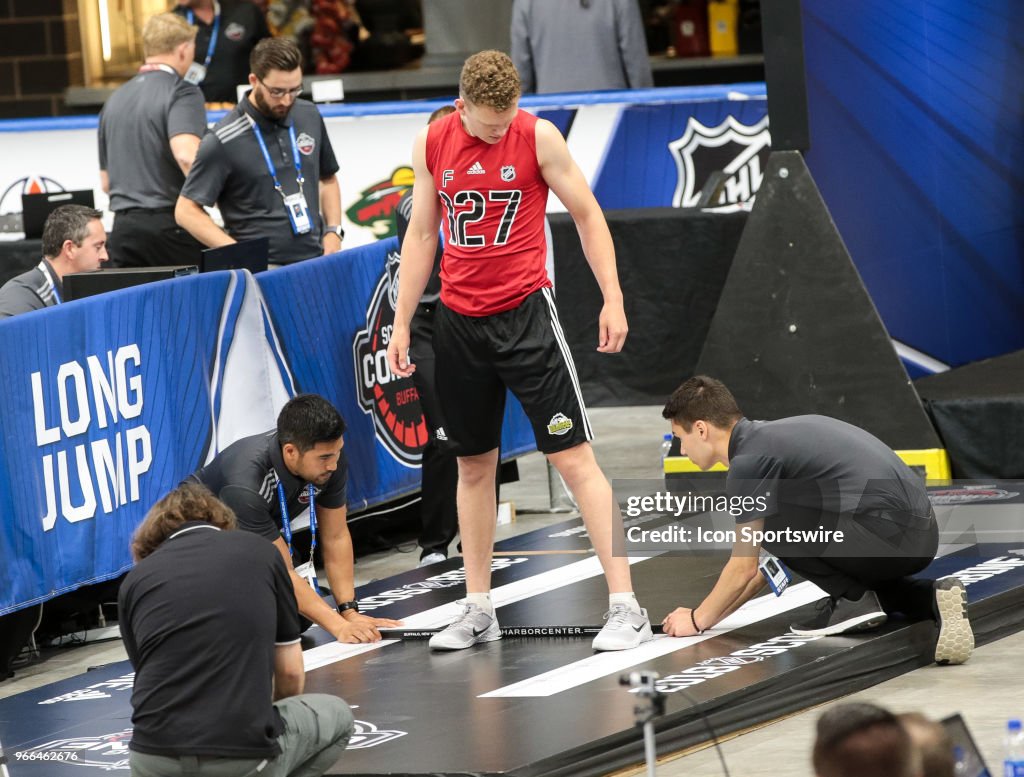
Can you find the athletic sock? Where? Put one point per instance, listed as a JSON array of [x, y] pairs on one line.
[[628, 598], [483, 601]]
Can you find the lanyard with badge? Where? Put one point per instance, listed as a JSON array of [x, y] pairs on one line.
[[294, 204], [197, 73], [307, 570]]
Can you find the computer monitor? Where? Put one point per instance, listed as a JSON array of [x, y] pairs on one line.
[[969, 760], [251, 255], [36, 207], [86, 284]]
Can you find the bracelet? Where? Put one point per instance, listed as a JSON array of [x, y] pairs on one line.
[[353, 605], [693, 620]]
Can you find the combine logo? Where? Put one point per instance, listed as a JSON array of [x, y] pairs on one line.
[[730, 660], [10, 200], [392, 401], [108, 752], [305, 143], [737, 150], [375, 208]]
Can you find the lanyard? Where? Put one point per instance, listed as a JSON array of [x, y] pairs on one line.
[[266, 156], [213, 31], [286, 524]]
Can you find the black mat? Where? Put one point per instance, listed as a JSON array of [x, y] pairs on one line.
[[426, 713]]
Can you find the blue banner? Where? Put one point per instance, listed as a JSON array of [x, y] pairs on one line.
[[106, 405], [112, 400]]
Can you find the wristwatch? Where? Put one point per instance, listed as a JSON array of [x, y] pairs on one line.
[[353, 605], [337, 230]]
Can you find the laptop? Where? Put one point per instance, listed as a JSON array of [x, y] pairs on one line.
[[968, 758], [251, 255], [36, 207]]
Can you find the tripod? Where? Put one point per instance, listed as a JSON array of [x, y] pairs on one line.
[[651, 705]]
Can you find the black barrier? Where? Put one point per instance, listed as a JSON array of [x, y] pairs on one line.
[[672, 266], [795, 331]]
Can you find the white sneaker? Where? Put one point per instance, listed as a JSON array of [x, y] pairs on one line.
[[624, 629], [431, 558], [956, 639], [472, 626]]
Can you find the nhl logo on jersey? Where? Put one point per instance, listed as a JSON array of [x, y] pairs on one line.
[[508, 172]]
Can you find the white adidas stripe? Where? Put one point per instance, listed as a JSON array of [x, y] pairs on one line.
[[601, 665], [556, 327]]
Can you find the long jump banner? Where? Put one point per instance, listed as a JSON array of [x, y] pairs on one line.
[[107, 404], [111, 401], [334, 318]]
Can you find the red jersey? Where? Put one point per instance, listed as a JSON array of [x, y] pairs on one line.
[[493, 198]]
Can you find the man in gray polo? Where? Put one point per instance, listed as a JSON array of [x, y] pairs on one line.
[[149, 132], [73, 241], [269, 167]]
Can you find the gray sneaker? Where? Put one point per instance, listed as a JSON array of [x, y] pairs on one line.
[[472, 626], [624, 629], [956, 639]]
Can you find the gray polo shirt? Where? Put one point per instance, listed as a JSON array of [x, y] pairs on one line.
[[566, 46], [136, 126], [33, 290], [230, 171], [811, 464]]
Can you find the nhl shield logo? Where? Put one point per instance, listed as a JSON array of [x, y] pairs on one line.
[[393, 402], [738, 150], [508, 172]]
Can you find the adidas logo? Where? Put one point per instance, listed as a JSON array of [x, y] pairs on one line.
[[476, 169]]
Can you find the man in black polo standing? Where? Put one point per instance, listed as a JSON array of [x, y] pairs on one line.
[[269, 167], [228, 32], [148, 136], [210, 626]]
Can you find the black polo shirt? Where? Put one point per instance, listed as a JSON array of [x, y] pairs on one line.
[[136, 126], [230, 171], [35, 289], [810, 465], [200, 618], [245, 476], [242, 26]]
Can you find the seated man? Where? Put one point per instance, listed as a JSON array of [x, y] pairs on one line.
[[209, 622], [818, 473], [269, 478], [73, 241]]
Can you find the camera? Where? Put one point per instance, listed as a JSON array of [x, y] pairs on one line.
[[642, 681]]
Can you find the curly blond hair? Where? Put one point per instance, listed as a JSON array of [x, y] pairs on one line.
[[489, 78]]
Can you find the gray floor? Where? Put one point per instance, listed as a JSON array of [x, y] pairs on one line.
[[986, 690]]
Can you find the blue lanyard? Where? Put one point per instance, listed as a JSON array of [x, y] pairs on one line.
[[270, 165], [286, 524], [213, 32]]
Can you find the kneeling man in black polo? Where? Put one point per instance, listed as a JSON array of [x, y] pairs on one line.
[[830, 500], [211, 627]]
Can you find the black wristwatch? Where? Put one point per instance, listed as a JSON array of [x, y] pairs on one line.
[[353, 605], [334, 230]]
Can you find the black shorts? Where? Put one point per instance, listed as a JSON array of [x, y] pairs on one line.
[[522, 349]]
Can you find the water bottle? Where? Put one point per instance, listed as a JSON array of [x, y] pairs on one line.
[[666, 446], [1013, 766]]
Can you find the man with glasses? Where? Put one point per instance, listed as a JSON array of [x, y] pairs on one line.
[[269, 166]]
